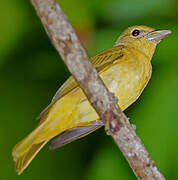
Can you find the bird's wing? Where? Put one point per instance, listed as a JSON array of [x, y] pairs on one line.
[[106, 58], [101, 61]]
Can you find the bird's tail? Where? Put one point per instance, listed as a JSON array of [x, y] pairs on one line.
[[24, 152]]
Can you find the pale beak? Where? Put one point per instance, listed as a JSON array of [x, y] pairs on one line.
[[158, 35]]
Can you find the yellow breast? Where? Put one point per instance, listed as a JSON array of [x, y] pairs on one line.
[[125, 79], [128, 78]]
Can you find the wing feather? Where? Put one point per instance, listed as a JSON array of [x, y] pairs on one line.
[[101, 61]]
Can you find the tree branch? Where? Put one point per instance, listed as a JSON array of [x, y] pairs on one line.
[[73, 54]]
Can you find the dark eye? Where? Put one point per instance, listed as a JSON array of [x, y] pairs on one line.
[[135, 32]]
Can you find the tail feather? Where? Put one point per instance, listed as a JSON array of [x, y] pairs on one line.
[[24, 160], [24, 152]]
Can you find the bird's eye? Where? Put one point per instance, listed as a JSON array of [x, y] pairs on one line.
[[135, 32]]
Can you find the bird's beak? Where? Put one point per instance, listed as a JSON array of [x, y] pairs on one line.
[[157, 36]]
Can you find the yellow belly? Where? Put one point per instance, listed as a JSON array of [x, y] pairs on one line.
[[125, 79]]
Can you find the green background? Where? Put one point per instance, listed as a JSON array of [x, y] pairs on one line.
[[31, 71]]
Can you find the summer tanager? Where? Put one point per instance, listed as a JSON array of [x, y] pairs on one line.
[[125, 69]]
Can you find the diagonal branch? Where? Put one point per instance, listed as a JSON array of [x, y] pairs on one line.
[[73, 54]]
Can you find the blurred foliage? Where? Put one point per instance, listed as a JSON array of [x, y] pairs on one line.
[[31, 71]]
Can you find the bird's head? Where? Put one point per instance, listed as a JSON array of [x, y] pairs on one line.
[[142, 37]]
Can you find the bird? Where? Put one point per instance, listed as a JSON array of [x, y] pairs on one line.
[[125, 69]]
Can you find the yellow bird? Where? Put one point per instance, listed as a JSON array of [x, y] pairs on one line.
[[125, 69]]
